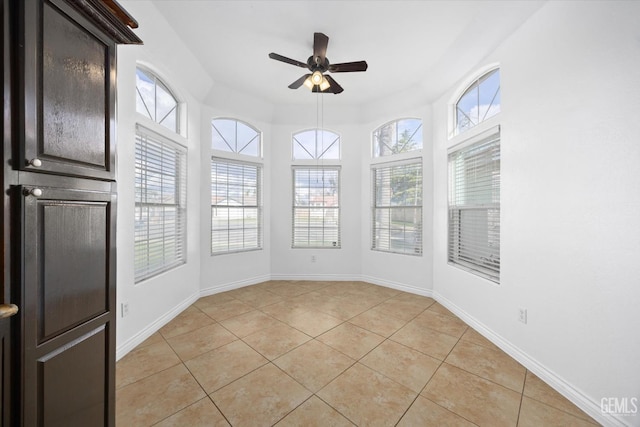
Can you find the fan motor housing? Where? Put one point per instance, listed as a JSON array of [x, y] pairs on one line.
[[314, 65]]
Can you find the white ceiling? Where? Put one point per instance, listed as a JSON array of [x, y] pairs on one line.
[[431, 44]]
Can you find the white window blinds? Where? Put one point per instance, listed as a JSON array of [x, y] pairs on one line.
[[397, 208], [316, 207], [160, 204], [474, 207], [236, 212]]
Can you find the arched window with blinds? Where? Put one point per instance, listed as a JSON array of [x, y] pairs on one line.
[[396, 187], [236, 187]]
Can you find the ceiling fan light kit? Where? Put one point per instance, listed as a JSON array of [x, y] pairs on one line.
[[317, 79], [318, 64]]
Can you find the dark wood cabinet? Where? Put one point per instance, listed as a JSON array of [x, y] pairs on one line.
[[68, 107], [59, 212], [68, 275]]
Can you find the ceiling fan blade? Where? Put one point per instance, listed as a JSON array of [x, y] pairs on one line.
[[334, 87], [347, 67], [320, 42], [287, 60], [299, 82]]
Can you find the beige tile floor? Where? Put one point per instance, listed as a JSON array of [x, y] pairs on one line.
[[309, 353]]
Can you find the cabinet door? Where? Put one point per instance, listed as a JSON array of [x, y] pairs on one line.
[[68, 278], [68, 104]]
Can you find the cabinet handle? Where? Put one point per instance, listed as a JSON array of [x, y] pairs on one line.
[[35, 192], [35, 162], [8, 310]]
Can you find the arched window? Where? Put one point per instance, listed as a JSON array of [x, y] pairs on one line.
[[160, 180], [236, 187], [316, 144], [234, 136], [396, 184], [479, 102], [398, 136], [155, 101]]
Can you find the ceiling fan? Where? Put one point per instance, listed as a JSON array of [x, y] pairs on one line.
[[318, 64]]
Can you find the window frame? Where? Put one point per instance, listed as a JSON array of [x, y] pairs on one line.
[[375, 153], [258, 207], [337, 244], [241, 159], [234, 154], [475, 260], [181, 153], [476, 81], [179, 108], [390, 208], [315, 157]]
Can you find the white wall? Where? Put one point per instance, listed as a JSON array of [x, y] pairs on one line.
[[570, 229], [330, 264], [227, 271], [409, 273], [155, 301]]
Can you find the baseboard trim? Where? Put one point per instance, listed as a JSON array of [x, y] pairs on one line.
[[211, 290], [574, 395], [397, 285], [318, 277], [153, 327]]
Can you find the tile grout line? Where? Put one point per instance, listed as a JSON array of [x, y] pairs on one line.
[[430, 378], [355, 294], [524, 384]]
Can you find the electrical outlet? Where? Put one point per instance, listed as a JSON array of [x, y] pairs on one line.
[[124, 309], [522, 315], [313, 258]]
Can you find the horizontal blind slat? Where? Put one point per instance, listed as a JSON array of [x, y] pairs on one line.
[[236, 211], [316, 207], [396, 224], [474, 207], [160, 198]]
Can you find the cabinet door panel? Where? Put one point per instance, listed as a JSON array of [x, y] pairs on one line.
[[74, 82], [78, 399], [69, 91], [67, 265], [73, 272]]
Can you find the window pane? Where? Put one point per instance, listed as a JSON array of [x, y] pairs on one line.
[[316, 144], [467, 109], [234, 136], [165, 105], [479, 102], [224, 135], [155, 100], [146, 96], [397, 208], [235, 206], [399, 136], [170, 121], [247, 140], [316, 214], [490, 95], [474, 208], [160, 201]]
